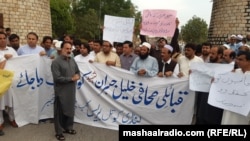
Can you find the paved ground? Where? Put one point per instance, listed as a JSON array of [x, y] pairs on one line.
[[45, 132]]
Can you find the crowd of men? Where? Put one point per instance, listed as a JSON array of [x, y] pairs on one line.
[[160, 59]]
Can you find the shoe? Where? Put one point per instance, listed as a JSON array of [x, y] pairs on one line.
[[1, 130], [1, 133], [60, 137], [42, 120], [72, 131], [13, 124]]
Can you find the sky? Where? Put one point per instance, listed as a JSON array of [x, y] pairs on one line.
[[186, 9]]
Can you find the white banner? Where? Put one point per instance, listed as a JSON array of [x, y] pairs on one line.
[[32, 88], [231, 91], [106, 96], [118, 29], [202, 74]]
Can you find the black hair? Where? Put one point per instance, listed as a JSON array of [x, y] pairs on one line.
[[98, 41], [45, 38], [7, 29], [130, 44], [206, 44], [246, 53], [77, 42], [65, 42], [87, 47], [232, 54], [190, 45], [13, 36], [162, 38]]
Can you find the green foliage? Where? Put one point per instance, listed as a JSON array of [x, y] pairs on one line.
[[62, 21], [87, 25], [195, 31], [83, 18], [137, 23], [89, 15]]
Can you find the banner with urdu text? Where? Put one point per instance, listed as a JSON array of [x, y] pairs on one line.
[[106, 96], [158, 22]]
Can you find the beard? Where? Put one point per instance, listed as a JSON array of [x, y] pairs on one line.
[[143, 56], [68, 54], [205, 53], [213, 60]]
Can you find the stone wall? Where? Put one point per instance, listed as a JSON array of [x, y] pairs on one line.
[[229, 17], [24, 16]]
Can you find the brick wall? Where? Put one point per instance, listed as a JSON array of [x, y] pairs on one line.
[[229, 17], [24, 16]]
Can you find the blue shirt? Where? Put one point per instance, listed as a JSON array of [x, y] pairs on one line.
[[150, 64], [49, 51], [26, 49]]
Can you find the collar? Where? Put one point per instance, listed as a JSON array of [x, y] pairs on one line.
[[168, 62], [65, 57], [130, 55]]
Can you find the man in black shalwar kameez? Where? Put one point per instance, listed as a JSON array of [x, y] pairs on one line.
[[65, 75]]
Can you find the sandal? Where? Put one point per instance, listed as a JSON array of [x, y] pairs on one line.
[[1, 133], [60, 137], [72, 131]]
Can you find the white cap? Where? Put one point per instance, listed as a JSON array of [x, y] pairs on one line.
[[226, 45], [170, 48], [58, 45], [239, 37], [233, 36], [146, 44]]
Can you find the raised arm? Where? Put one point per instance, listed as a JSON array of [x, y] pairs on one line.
[[174, 42]]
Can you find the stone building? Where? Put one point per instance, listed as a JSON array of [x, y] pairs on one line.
[[24, 16], [229, 17]]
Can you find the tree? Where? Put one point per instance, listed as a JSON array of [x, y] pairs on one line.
[[195, 31], [62, 21], [89, 15], [87, 25]]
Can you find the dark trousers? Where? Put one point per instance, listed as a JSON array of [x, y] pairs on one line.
[[206, 113], [62, 122]]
